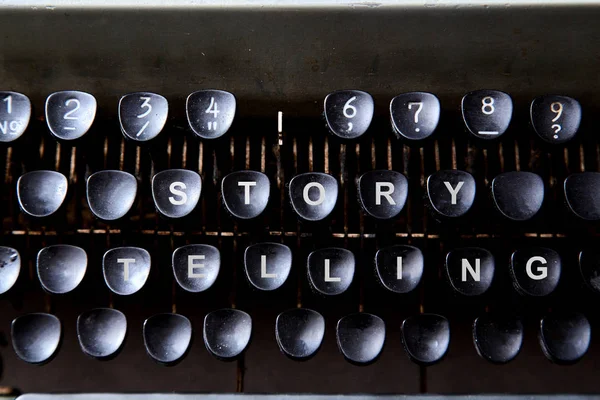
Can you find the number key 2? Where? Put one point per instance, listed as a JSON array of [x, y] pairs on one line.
[[487, 113], [70, 114], [555, 119], [349, 113], [210, 113], [415, 115], [142, 115]]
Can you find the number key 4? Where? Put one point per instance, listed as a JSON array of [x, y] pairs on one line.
[[70, 114], [142, 115], [487, 113], [555, 119], [349, 113], [210, 113]]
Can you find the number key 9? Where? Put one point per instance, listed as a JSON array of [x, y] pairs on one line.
[[554, 118]]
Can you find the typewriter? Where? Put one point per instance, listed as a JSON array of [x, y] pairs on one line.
[[299, 200]]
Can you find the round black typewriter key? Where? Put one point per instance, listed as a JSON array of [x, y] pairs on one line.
[[10, 267], [61, 268], [15, 112], [535, 271], [470, 270], [196, 266], [313, 195], [246, 193], [70, 114], [497, 339], [227, 333], [487, 113], [582, 192], [554, 118], [564, 337], [299, 332], [451, 193], [382, 193], [518, 195], [101, 332], [111, 194], [267, 265], [331, 270], [142, 115], [176, 192], [210, 113], [36, 337], [167, 337], [415, 115], [399, 268], [348, 113], [425, 338], [360, 337], [126, 269], [41, 193], [589, 266]]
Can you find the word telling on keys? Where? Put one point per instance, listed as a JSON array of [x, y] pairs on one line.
[[15, 112]]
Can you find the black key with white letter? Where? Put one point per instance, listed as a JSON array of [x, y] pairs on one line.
[[415, 116], [15, 112], [299, 332], [176, 192], [426, 338], [565, 336], [210, 113], [582, 194], [399, 268], [360, 337], [470, 270], [246, 193], [227, 333], [497, 338], [555, 119], [451, 193], [10, 267], [313, 195], [111, 194], [70, 114], [61, 267], [41, 193], [101, 332], [196, 266], [167, 337], [36, 337], [348, 113], [518, 195], [487, 113], [126, 269], [267, 265], [142, 115], [382, 193], [331, 270], [535, 271]]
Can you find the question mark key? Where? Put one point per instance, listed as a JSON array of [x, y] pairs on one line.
[[554, 118], [414, 115]]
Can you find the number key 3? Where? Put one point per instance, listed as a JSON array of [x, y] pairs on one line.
[[70, 114], [555, 119], [487, 113], [349, 113], [142, 115]]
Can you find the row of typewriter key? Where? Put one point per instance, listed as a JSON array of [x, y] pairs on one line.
[[518, 195], [348, 114], [470, 271], [564, 337]]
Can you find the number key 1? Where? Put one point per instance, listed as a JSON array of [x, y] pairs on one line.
[[70, 114], [555, 119], [349, 113], [487, 113], [142, 115], [15, 111], [210, 113], [415, 115]]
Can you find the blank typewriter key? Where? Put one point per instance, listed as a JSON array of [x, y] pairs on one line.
[[227, 333], [15, 112], [497, 339], [399, 268], [176, 192], [126, 269], [415, 115], [564, 337], [61, 267], [313, 195], [111, 194], [554, 118], [10, 267], [487, 113], [425, 338], [451, 192], [299, 332], [210, 113], [470, 270], [331, 270], [589, 266], [70, 114], [41, 193], [196, 266], [518, 195], [36, 337], [101, 332], [167, 337], [246, 193], [142, 115], [348, 113], [582, 192], [360, 337], [382, 193], [535, 271], [267, 265]]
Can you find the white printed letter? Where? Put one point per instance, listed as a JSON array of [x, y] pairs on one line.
[[263, 268], [192, 266], [542, 271], [175, 189], [381, 193], [454, 192], [126, 262], [475, 273], [246, 186], [399, 267], [328, 277], [321, 194]]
